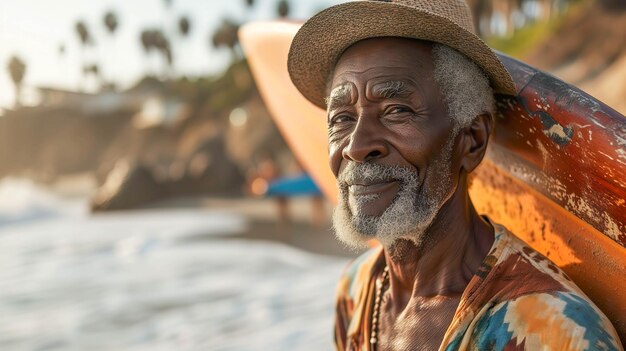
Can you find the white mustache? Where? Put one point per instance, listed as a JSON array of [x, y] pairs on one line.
[[356, 173]]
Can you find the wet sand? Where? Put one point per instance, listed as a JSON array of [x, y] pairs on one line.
[[262, 215], [264, 222]]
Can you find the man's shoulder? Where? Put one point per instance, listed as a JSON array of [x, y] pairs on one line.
[[535, 320], [358, 273], [526, 299], [513, 268]]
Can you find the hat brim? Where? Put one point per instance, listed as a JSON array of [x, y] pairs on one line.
[[320, 42]]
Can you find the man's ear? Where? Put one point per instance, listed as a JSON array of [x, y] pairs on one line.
[[475, 140]]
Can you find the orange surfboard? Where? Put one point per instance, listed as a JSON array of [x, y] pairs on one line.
[[555, 172]]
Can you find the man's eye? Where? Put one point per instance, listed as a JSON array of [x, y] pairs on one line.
[[398, 109], [339, 119]]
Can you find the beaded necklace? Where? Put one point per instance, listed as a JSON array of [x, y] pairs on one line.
[[384, 279]]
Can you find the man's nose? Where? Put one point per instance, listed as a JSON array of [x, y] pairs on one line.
[[366, 142]]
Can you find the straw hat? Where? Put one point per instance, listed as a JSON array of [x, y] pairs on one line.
[[322, 39]]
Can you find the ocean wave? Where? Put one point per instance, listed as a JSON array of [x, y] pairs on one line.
[[133, 281]]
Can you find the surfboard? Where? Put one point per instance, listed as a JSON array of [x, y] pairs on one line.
[[554, 174]]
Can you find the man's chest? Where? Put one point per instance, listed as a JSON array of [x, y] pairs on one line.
[[420, 326]]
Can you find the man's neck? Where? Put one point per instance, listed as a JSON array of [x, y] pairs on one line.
[[443, 264]]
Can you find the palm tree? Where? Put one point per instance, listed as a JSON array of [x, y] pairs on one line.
[[93, 69], [162, 45], [154, 40], [283, 8], [85, 38], [146, 39], [17, 70], [110, 22], [226, 36], [184, 25], [83, 33]]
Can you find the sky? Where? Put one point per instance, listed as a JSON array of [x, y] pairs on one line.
[[35, 29]]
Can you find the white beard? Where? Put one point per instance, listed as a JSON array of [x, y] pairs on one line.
[[408, 216]]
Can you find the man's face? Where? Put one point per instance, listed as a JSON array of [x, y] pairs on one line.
[[390, 141]]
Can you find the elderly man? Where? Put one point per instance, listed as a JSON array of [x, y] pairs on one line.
[[409, 91]]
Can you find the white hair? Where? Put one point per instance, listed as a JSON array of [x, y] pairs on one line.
[[464, 86]]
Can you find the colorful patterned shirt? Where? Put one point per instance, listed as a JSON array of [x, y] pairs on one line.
[[517, 300]]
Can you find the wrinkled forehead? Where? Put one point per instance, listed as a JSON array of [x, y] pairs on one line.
[[384, 87], [383, 55], [389, 67]]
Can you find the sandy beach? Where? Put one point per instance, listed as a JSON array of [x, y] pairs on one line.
[[265, 224], [184, 274]]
